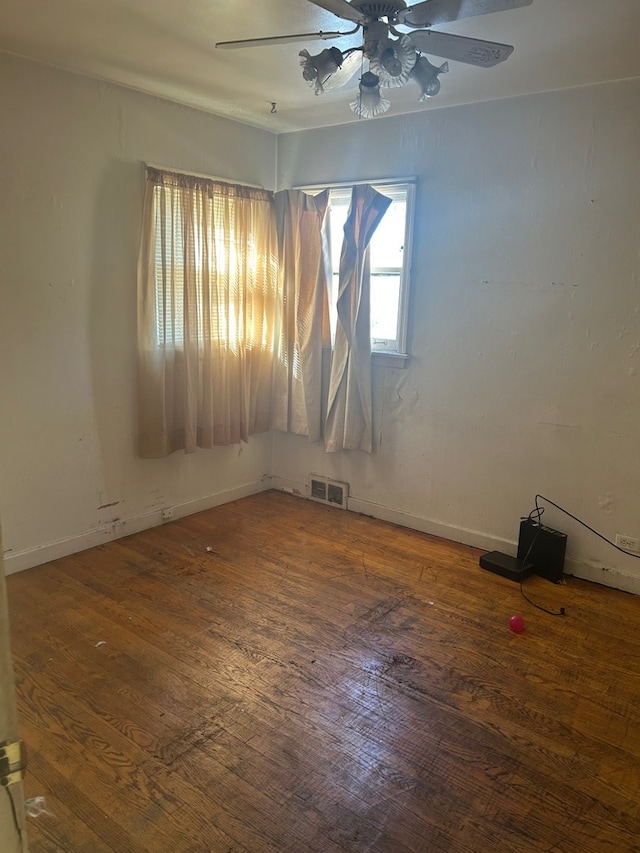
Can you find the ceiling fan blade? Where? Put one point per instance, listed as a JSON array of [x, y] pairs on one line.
[[460, 48], [340, 8], [432, 13], [280, 39]]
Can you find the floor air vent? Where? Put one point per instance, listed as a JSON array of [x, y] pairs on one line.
[[328, 491]]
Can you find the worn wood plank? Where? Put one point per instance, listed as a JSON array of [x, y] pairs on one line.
[[274, 675]]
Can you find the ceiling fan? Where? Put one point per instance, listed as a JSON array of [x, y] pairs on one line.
[[394, 56]]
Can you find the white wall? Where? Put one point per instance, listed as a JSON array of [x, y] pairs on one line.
[[525, 321], [71, 182], [525, 316]]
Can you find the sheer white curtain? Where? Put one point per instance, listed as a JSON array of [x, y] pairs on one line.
[[233, 316], [303, 350], [349, 422], [207, 292]]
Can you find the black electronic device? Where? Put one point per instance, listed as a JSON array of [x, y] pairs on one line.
[[506, 566], [544, 548]]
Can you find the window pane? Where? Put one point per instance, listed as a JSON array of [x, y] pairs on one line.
[[385, 296], [339, 213], [169, 266], [387, 243], [387, 264], [338, 216]]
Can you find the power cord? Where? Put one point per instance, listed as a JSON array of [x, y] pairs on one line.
[[537, 512], [535, 515], [14, 813]]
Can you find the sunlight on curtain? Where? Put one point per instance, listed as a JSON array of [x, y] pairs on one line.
[[207, 293], [301, 368], [349, 423]]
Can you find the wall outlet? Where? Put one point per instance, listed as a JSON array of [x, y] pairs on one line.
[[167, 513], [628, 543]]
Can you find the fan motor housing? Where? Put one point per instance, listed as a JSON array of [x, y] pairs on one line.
[[373, 10]]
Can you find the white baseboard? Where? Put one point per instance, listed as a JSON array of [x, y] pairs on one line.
[[462, 535], [604, 575], [598, 574], [29, 557], [292, 487], [404, 519], [18, 561]]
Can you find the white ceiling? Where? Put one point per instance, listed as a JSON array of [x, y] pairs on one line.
[[166, 48]]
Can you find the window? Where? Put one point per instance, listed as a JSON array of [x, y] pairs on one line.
[[390, 261], [208, 312], [232, 342], [169, 228], [210, 242]]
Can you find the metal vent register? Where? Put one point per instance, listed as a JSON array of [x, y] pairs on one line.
[[328, 491]]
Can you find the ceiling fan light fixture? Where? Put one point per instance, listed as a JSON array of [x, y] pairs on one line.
[[390, 62], [393, 65], [370, 102], [316, 70], [426, 76], [393, 61], [375, 38]]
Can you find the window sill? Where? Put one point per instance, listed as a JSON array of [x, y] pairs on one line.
[[389, 359]]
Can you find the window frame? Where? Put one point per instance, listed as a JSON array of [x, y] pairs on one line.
[[398, 356]]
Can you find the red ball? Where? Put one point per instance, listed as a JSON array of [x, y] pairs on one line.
[[516, 623]]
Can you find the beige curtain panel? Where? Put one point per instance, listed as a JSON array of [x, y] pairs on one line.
[[233, 316], [303, 351], [349, 424], [208, 284]]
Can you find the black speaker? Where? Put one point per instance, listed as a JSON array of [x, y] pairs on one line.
[[544, 548], [506, 566]]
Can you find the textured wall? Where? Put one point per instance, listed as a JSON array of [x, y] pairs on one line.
[[525, 315], [525, 320], [71, 183]]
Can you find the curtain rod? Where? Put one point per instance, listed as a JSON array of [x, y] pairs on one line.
[[201, 175], [378, 182]]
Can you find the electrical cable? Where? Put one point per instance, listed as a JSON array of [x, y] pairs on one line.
[[562, 612], [535, 515], [538, 510], [15, 814]]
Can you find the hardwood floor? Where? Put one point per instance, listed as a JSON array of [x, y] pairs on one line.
[[277, 675]]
